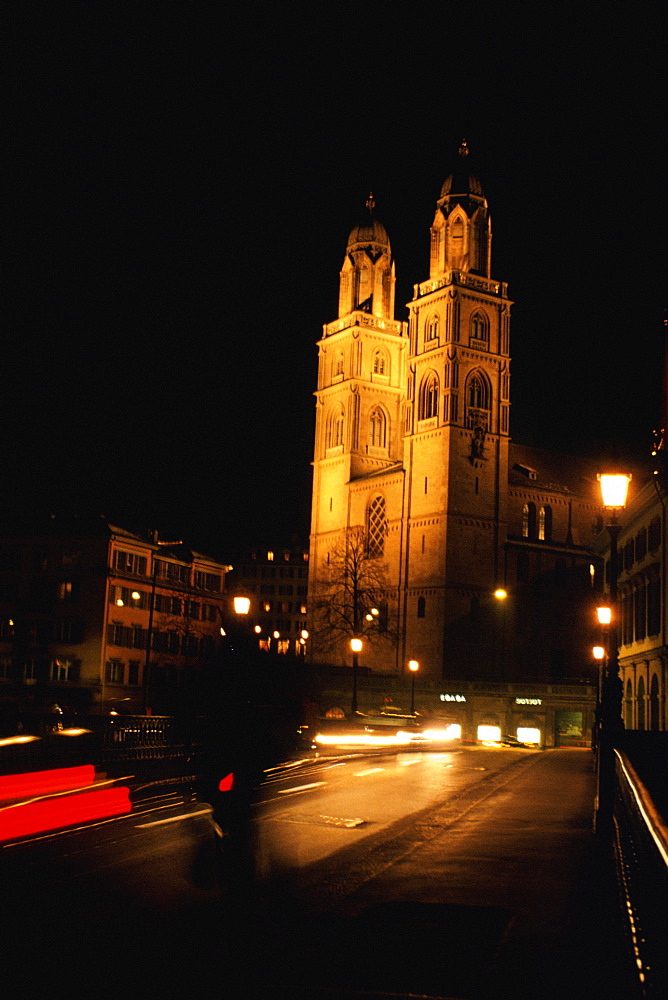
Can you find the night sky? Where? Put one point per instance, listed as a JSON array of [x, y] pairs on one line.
[[183, 178]]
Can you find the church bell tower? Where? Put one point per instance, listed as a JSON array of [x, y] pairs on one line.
[[457, 429]]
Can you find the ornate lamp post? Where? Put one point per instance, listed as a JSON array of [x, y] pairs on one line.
[[614, 490], [356, 648], [413, 666]]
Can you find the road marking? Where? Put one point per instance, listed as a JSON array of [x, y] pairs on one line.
[[174, 819], [300, 788], [371, 770], [341, 822], [405, 763]]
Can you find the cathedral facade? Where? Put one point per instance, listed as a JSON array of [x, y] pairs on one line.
[[423, 508]]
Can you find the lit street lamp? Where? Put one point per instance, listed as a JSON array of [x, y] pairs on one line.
[[614, 490], [356, 648], [413, 666]]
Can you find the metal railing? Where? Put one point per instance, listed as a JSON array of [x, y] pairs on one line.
[[641, 852]]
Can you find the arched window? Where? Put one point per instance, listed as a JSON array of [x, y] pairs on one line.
[[428, 401], [478, 397], [338, 364], [379, 363], [640, 703], [654, 703], [431, 329], [628, 706], [529, 520], [458, 229], [545, 524], [421, 607], [377, 428], [376, 527], [335, 428], [479, 328]]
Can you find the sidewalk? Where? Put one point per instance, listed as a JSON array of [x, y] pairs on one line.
[[515, 900]]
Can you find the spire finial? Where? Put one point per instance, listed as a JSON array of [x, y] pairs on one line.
[[464, 149], [370, 203]]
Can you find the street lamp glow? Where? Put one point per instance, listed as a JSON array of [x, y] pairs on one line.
[[598, 653], [258, 629], [356, 645], [304, 633], [241, 605], [604, 615], [413, 665], [614, 489], [500, 594]]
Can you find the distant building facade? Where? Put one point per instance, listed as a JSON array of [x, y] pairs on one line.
[[96, 618], [276, 582], [642, 609]]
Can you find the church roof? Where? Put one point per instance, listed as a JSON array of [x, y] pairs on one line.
[[369, 230], [462, 181], [548, 470]]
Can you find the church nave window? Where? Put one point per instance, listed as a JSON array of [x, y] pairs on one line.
[[338, 364], [529, 520], [545, 524]]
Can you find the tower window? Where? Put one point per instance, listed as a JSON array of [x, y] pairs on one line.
[[335, 429], [379, 363], [431, 330], [421, 607], [480, 328], [378, 428], [428, 402], [338, 364], [477, 401]]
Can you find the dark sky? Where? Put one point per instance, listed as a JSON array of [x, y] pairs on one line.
[[183, 178]]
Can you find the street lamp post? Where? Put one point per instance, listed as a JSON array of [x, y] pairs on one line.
[[413, 666], [614, 490], [356, 648]]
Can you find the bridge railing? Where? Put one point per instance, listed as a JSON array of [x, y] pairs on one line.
[[641, 853]]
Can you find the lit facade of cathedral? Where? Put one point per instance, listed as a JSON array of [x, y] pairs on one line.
[[413, 453]]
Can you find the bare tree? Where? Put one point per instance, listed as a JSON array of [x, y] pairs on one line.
[[354, 598]]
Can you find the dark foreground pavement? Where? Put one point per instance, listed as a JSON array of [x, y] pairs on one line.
[[508, 896], [501, 892]]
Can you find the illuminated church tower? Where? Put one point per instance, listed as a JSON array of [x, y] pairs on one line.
[[412, 430], [456, 442]]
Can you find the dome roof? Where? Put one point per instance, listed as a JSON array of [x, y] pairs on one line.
[[462, 181], [370, 230]]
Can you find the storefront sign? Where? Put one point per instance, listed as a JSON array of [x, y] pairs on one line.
[[528, 701], [452, 697]]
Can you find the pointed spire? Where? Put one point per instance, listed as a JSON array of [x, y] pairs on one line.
[[464, 149], [370, 203]]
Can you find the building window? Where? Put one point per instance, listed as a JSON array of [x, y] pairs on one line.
[[480, 329], [431, 329], [378, 428], [545, 524], [428, 401], [335, 429], [133, 672], [421, 607], [114, 672], [379, 363], [529, 520], [65, 591], [63, 670], [129, 562], [477, 401], [338, 365], [376, 527]]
